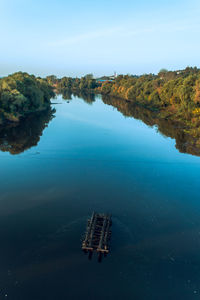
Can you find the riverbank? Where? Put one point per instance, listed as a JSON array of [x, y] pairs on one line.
[[172, 95], [22, 94]]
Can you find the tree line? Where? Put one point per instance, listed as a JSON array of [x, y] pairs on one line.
[[172, 95]]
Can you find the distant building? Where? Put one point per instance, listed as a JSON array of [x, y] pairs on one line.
[[113, 76], [107, 78]]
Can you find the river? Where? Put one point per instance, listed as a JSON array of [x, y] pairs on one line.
[[88, 155]]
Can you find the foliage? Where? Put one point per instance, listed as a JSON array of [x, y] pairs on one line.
[[77, 84], [174, 95], [21, 94]]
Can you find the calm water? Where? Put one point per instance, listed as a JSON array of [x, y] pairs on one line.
[[91, 157]]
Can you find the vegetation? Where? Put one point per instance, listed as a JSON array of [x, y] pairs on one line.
[[172, 95], [170, 99], [86, 83], [21, 94]]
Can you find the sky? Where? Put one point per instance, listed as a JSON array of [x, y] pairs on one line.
[[73, 38]]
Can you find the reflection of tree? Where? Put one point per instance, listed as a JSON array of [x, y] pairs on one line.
[[185, 143], [18, 137], [89, 98], [66, 94]]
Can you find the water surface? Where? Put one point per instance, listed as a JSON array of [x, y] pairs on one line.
[[56, 170]]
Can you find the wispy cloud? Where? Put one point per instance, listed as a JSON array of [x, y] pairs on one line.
[[124, 31], [87, 36]]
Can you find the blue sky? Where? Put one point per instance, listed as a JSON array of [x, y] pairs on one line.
[[83, 36]]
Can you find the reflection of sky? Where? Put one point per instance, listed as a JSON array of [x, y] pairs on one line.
[[100, 130], [78, 37], [91, 157], [96, 134]]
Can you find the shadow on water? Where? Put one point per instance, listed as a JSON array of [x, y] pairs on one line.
[[15, 138], [99, 257]]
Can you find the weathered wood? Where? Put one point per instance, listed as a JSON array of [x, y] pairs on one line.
[[92, 229], [88, 231], [97, 234], [107, 233], [102, 236]]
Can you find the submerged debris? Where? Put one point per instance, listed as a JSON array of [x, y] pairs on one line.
[[97, 235]]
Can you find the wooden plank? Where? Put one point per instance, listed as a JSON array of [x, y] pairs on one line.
[[107, 233], [100, 246], [92, 229], [88, 231], [89, 227]]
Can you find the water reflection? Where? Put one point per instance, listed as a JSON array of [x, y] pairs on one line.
[[185, 143], [66, 94], [90, 162], [18, 137], [86, 96]]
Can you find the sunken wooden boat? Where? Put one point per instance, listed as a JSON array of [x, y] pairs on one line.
[[98, 234]]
